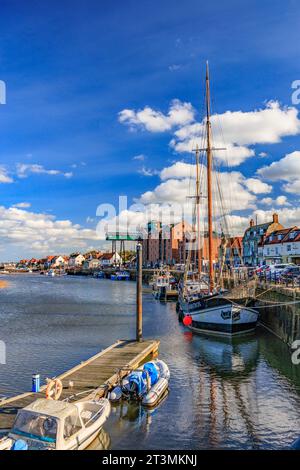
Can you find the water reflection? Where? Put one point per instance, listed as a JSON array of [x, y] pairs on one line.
[[228, 357], [102, 441], [239, 393]]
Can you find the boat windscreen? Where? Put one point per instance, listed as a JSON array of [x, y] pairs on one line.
[[35, 426]]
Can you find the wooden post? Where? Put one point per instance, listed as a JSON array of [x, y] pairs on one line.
[[139, 300]]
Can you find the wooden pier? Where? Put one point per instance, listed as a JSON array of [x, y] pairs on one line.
[[95, 375]]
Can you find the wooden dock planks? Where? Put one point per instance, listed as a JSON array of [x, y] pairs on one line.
[[95, 373]]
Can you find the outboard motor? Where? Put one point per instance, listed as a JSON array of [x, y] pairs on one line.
[[137, 385]]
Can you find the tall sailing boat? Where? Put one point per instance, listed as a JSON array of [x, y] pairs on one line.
[[207, 308]]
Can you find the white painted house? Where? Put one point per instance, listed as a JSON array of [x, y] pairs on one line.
[[282, 246], [93, 263], [58, 262], [110, 259], [76, 261]]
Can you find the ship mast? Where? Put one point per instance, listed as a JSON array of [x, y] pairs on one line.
[[209, 182], [198, 210]]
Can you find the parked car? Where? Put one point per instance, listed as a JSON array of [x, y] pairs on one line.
[[279, 268], [291, 272]]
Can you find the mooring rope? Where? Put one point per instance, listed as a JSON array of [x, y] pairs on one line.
[[279, 304]]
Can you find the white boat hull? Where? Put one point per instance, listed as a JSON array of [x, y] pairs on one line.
[[155, 393]]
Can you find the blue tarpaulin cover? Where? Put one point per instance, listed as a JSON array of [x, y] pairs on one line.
[[152, 371], [139, 380], [19, 444]]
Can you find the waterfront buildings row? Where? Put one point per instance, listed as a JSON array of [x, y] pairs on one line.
[[265, 243], [89, 261]]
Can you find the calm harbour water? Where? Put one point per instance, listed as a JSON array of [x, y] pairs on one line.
[[241, 394]]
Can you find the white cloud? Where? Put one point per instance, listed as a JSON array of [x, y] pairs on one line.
[[174, 67], [268, 201], [178, 182], [140, 157], [288, 217], [257, 186], [287, 169], [4, 177], [238, 131], [147, 171], [22, 205], [263, 154], [293, 187], [178, 170], [282, 201], [24, 169], [278, 201], [41, 233], [179, 114]]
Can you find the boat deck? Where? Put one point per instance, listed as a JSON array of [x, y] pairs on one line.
[[96, 373]]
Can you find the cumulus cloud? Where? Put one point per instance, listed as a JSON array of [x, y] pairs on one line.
[[257, 186], [4, 177], [178, 182], [25, 169], [147, 171], [287, 169], [151, 120], [278, 201], [237, 131], [22, 205], [41, 233], [288, 217]]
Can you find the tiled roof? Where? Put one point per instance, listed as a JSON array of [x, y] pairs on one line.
[[107, 256], [273, 238]]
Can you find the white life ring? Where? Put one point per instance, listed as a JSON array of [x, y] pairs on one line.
[[54, 389]]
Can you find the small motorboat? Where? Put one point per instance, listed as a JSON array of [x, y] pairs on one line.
[[99, 275], [58, 425], [147, 384], [120, 276]]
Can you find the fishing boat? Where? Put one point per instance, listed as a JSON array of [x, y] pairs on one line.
[[99, 275], [164, 286], [120, 276], [204, 305], [57, 425]]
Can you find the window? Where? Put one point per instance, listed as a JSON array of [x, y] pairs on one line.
[[72, 425], [289, 247], [36, 426]]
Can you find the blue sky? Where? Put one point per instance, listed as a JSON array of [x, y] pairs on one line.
[[70, 69]]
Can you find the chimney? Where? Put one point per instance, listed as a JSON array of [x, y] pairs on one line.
[[251, 223], [275, 219]]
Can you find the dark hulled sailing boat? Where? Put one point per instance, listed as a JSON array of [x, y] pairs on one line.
[[207, 308]]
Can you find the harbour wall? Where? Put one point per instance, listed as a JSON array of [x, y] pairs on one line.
[[282, 320]]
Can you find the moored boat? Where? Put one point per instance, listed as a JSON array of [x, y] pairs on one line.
[[120, 276], [209, 308], [147, 384], [164, 286], [58, 425]]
